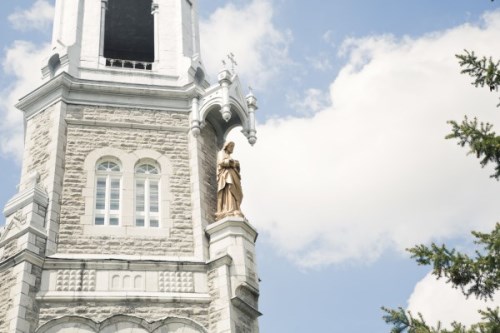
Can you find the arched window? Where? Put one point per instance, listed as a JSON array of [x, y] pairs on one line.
[[107, 193], [147, 197]]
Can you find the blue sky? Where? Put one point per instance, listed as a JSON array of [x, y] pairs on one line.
[[354, 98]]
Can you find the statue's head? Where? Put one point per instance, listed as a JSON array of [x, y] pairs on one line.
[[229, 146]]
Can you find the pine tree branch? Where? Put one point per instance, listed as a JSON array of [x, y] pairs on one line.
[[479, 276], [404, 322], [481, 140], [484, 70]]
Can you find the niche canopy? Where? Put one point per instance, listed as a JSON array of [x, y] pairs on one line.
[[224, 106]]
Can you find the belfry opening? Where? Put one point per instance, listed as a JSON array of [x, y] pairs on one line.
[[129, 31]]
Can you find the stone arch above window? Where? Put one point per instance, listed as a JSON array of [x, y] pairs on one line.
[[69, 324], [147, 168], [108, 165], [147, 156], [121, 324]]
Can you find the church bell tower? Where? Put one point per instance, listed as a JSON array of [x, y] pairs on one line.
[[114, 226]]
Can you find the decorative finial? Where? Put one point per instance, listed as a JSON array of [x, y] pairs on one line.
[[231, 58]]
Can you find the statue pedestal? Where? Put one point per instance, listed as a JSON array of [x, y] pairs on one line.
[[232, 256], [235, 237]]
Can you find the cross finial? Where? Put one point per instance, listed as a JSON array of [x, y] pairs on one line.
[[231, 58], [250, 89]]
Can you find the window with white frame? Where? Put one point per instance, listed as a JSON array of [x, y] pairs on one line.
[[147, 195], [107, 193]]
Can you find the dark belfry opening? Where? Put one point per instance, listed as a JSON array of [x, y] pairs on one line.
[[129, 31]]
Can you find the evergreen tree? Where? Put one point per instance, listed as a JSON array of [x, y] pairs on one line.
[[480, 138], [478, 276]]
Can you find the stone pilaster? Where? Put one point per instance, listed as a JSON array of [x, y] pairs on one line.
[[237, 281], [22, 252]]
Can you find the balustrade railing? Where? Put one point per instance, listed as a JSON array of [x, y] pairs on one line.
[[129, 64]]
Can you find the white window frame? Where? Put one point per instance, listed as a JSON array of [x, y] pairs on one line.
[[147, 179], [128, 162], [108, 176]]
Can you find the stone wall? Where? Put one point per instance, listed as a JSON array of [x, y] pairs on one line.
[[244, 323], [90, 128], [209, 165], [32, 307], [101, 311], [8, 280], [124, 115], [214, 315], [18, 307], [9, 250], [37, 142], [20, 275], [44, 154]]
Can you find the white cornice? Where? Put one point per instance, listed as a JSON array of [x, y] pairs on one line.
[[35, 194], [225, 259], [233, 225], [120, 296], [71, 90], [28, 228], [24, 255], [109, 124], [245, 307], [119, 264]]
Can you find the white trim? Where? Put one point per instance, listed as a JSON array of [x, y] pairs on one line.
[[146, 95], [123, 261], [24, 255], [35, 194], [29, 229], [231, 225], [110, 124], [120, 296], [146, 180], [108, 176]]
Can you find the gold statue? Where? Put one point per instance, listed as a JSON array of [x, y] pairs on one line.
[[229, 193]]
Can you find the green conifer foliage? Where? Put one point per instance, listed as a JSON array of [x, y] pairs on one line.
[[478, 276]]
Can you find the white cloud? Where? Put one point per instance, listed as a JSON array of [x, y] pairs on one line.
[[313, 100], [321, 62], [372, 172], [38, 17], [23, 61], [328, 37], [261, 49], [438, 301]]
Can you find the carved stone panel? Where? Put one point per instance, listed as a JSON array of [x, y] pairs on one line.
[[75, 280], [176, 282]]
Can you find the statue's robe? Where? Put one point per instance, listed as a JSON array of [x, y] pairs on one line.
[[229, 193]]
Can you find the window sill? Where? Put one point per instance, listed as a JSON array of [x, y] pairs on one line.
[[126, 231]]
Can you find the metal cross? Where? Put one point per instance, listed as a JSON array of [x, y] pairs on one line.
[[231, 58]]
